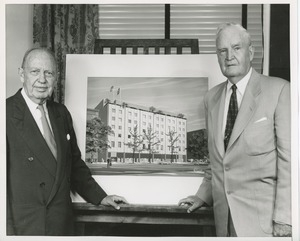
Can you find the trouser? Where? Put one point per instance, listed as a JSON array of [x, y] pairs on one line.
[[231, 230]]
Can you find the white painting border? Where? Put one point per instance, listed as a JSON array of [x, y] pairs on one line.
[[149, 190]]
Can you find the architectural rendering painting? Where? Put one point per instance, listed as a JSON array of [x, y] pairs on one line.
[[146, 125]]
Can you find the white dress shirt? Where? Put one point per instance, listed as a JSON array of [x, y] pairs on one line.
[[240, 90], [36, 112]]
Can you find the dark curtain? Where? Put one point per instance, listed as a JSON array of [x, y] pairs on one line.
[[65, 29]]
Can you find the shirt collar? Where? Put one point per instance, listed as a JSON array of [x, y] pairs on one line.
[[31, 105], [242, 84]]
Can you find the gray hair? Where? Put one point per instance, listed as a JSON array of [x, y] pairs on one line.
[[38, 49], [243, 31]]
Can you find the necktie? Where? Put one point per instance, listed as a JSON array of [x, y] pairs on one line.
[[48, 135], [231, 116]]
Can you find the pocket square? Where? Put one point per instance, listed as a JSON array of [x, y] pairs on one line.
[[68, 137], [260, 120]]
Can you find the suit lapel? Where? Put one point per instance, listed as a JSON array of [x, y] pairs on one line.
[[248, 107], [57, 124], [217, 114], [31, 134]]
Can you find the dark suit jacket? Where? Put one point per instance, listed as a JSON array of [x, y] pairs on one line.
[[38, 186]]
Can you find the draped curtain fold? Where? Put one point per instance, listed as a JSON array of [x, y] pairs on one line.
[[65, 29]]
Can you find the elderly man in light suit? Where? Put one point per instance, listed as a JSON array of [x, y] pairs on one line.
[[249, 180]]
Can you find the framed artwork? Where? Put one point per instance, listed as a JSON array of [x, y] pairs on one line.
[[147, 109]]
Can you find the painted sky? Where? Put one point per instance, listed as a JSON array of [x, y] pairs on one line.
[[176, 95]]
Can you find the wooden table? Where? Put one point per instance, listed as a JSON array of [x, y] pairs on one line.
[[157, 217]]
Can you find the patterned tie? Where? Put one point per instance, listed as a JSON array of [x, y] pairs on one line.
[[231, 116], [48, 135]]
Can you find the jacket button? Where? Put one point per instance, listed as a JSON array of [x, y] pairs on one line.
[[30, 159], [227, 168], [229, 192], [42, 184]]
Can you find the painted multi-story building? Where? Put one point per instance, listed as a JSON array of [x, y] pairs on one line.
[[123, 118]]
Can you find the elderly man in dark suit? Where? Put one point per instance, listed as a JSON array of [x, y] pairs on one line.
[[248, 123], [43, 159]]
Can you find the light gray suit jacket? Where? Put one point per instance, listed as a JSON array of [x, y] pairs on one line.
[[253, 177]]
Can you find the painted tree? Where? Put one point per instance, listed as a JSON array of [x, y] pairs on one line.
[[197, 145], [96, 136], [172, 142], [152, 109], [152, 140], [135, 143]]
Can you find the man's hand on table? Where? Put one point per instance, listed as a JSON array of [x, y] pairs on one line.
[[193, 202], [113, 200]]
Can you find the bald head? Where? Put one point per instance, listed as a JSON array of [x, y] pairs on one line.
[[35, 50]]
